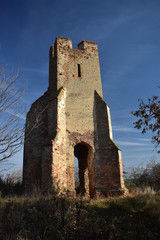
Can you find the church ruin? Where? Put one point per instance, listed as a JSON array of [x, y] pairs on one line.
[[72, 120]]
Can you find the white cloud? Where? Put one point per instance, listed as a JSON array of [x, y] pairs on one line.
[[130, 143], [121, 114], [124, 129], [143, 139], [41, 71], [21, 116]]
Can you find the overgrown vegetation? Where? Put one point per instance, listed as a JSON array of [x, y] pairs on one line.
[[148, 115], [135, 216], [144, 177], [11, 184]]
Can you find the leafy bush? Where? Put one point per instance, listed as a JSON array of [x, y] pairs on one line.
[[144, 177], [11, 184]]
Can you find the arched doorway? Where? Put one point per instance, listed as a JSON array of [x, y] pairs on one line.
[[84, 153]]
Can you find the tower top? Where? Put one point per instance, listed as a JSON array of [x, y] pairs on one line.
[[83, 45]]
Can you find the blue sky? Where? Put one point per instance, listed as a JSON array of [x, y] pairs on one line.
[[128, 37]]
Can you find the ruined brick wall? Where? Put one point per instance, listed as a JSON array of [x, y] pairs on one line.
[[77, 123], [36, 130], [107, 158], [79, 96]]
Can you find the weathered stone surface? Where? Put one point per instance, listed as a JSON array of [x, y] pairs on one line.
[[72, 119]]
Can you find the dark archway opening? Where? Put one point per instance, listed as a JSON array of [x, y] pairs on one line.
[[85, 178], [81, 153]]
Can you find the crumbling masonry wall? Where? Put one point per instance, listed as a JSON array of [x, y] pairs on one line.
[[72, 120]]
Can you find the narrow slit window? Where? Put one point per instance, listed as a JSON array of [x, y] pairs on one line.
[[79, 70]]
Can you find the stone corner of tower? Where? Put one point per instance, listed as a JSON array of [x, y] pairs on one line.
[[87, 45], [63, 42]]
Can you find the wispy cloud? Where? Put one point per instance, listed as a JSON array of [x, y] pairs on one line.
[[133, 55], [18, 115], [100, 28], [124, 129], [34, 70], [130, 143], [106, 29], [122, 111], [142, 139], [121, 114]]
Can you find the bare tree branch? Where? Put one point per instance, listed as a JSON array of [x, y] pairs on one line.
[[11, 125]]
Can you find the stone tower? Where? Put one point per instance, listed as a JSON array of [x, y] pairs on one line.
[[72, 120]]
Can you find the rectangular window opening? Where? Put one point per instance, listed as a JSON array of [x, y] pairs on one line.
[[79, 70]]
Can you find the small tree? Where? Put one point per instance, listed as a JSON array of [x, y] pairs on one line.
[[11, 114], [144, 177], [148, 116]]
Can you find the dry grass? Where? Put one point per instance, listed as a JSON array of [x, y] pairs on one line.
[[37, 217], [133, 216]]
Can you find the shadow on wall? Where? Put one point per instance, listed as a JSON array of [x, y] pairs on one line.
[[106, 157]]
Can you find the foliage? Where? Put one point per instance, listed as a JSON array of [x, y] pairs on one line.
[[144, 177], [148, 115], [11, 184], [59, 218], [11, 111]]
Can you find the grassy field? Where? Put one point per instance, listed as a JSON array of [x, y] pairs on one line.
[[38, 217]]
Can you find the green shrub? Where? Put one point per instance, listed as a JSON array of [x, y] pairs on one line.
[[144, 177], [59, 218], [11, 184]]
